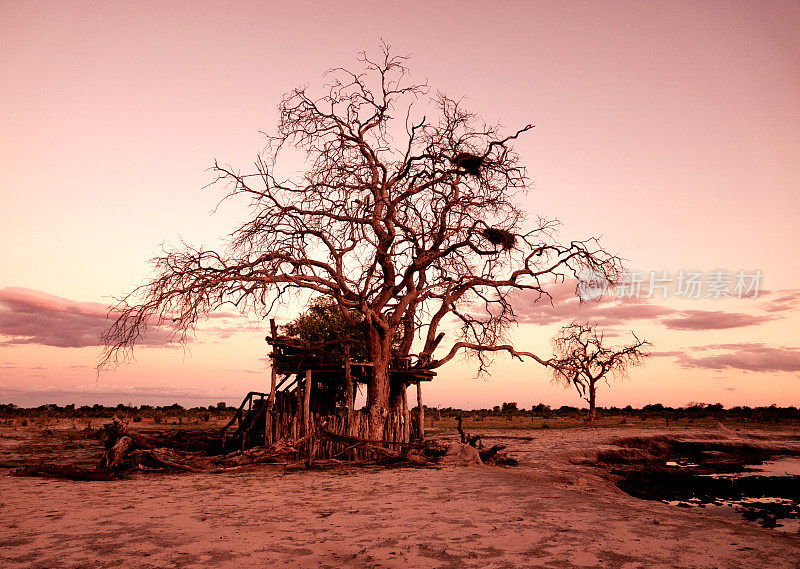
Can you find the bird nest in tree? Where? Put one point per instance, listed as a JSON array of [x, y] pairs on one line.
[[470, 163], [500, 238]]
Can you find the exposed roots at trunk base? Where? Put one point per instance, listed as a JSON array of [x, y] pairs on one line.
[[193, 452]]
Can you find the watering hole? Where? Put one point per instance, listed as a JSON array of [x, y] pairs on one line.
[[757, 481], [748, 476]]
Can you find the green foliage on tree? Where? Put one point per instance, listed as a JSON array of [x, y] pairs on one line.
[[324, 327]]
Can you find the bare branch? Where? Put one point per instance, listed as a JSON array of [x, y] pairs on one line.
[[395, 217], [583, 358]]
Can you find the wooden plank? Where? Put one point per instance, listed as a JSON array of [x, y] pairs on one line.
[[268, 439], [297, 408], [274, 371], [406, 416], [286, 377], [349, 394], [307, 404], [421, 412]]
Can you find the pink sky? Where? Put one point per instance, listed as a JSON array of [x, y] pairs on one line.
[[672, 131]]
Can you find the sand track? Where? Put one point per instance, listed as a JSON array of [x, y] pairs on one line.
[[549, 512]]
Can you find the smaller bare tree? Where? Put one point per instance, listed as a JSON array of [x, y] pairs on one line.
[[582, 358]]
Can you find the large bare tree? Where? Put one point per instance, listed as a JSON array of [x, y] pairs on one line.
[[583, 358], [404, 212]]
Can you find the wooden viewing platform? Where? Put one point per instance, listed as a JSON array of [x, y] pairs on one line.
[[303, 400]]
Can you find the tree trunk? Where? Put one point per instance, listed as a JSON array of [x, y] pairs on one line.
[[378, 398], [380, 355], [395, 433], [592, 398]]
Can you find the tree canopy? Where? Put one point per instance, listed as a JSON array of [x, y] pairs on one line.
[[583, 358], [322, 325], [404, 215]]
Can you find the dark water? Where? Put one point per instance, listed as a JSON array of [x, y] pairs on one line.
[[741, 478], [780, 514], [766, 493], [786, 466], [773, 476]]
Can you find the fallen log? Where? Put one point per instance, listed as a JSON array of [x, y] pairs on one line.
[[195, 452], [466, 438], [112, 460], [375, 447], [489, 454], [198, 462], [514, 437], [67, 471], [496, 456], [205, 441], [134, 452], [163, 459]]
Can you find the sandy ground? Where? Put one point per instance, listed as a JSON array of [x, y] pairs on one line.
[[548, 512]]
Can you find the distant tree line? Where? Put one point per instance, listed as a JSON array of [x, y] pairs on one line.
[[691, 411], [166, 413], [507, 409]]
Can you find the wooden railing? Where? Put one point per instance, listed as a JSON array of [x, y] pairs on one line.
[[237, 418]]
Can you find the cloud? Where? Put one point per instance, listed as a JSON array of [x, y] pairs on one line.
[[225, 315], [112, 394], [666, 354], [30, 316], [225, 332], [713, 320], [563, 305], [34, 317], [755, 357], [784, 300]]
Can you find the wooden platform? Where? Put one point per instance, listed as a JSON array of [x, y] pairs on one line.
[[290, 357], [297, 406]]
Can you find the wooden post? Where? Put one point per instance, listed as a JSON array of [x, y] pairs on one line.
[[307, 410], [421, 412], [274, 372], [273, 383], [298, 408], [406, 417], [350, 396]]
